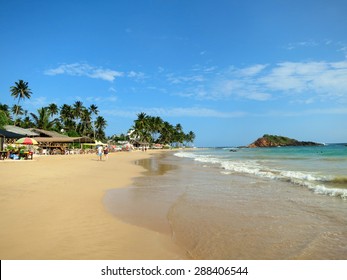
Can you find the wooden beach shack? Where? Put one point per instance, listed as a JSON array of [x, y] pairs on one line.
[[23, 132], [49, 142], [52, 142], [7, 137]]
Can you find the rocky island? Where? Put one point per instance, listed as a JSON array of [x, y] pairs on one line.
[[279, 141]]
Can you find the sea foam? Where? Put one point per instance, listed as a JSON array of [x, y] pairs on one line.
[[313, 181]]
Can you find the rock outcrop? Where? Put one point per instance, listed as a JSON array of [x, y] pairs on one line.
[[279, 141]]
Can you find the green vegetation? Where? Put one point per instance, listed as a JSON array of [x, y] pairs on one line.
[[78, 120], [151, 130], [73, 120], [20, 91], [279, 140], [3, 119], [276, 141]]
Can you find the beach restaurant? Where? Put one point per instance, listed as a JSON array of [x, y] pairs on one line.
[[52, 142], [49, 142]]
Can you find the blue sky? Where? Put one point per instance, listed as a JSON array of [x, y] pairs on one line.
[[229, 70]]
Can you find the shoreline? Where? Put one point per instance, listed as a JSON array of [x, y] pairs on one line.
[[212, 213], [51, 208]]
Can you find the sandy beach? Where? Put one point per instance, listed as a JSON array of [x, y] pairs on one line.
[[51, 208]]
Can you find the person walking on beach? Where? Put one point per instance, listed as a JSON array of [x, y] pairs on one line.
[[106, 152], [100, 150]]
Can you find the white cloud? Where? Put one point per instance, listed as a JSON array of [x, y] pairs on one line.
[[84, 69], [195, 112], [301, 44], [200, 112], [120, 113], [308, 112], [344, 50], [322, 79], [252, 70], [136, 75], [209, 69], [102, 99], [173, 79], [315, 80], [112, 89], [38, 101]]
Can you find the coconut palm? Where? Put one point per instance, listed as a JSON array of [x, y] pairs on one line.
[[20, 91], [141, 121], [17, 110], [78, 107], [67, 117], [155, 127], [85, 125], [93, 109], [190, 137], [100, 125], [4, 120], [167, 133], [53, 109], [77, 111], [6, 109], [142, 127], [179, 133], [42, 119], [27, 123]]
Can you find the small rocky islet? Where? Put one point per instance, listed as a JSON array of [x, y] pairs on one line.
[[279, 141]]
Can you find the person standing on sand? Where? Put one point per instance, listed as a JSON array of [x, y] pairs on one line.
[[100, 150], [106, 152]]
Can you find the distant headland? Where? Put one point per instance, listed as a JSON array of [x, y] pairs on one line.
[[279, 141]]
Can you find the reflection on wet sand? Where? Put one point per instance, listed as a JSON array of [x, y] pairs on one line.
[[154, 167]]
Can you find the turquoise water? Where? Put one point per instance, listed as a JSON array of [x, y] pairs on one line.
[[322, 169], [278, 203]]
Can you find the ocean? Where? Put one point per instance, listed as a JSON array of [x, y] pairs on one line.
[[240, 203]]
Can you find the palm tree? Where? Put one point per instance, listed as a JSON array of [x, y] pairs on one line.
[[67, 117], [42, 119], [5, 109], [141, 121], [78, 107], [93, 109], [100, 125], [53, 109], [142, 127], [155, 127], [17, 110], [85, 126], [5, 116], [26, 123], [189, 138], [4, 120], [20, 91], [166, 133]]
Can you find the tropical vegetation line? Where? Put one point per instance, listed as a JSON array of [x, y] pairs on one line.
[[77, 120], [149, 129]]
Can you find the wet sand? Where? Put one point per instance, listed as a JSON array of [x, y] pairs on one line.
[[215, 216], [52, 208]]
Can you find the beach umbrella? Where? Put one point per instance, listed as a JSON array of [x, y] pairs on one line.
[[26, 141], [99, 143]]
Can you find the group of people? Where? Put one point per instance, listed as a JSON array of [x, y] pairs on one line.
[[102, 151]]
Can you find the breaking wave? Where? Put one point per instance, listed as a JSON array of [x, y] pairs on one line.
[[319, 184]]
